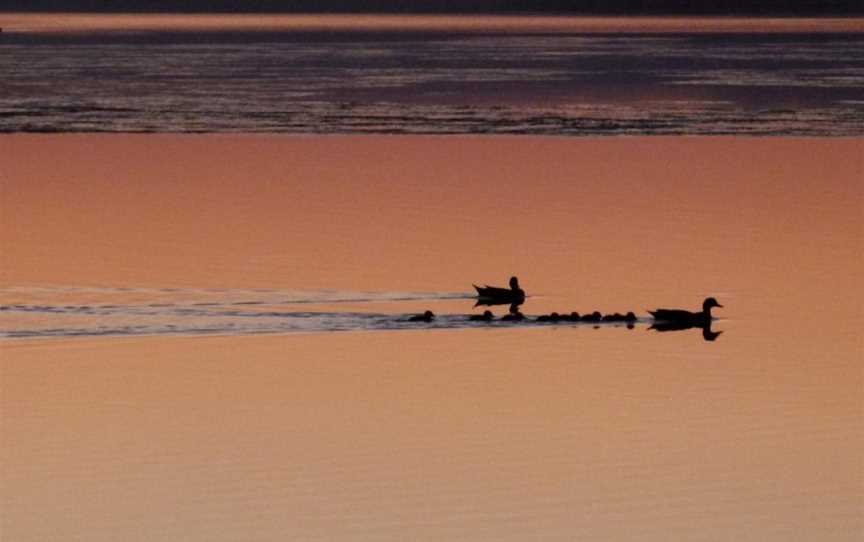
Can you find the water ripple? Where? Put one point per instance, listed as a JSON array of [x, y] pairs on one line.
[[562, 84], [47, 313]]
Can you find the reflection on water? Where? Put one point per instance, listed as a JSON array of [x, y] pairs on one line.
[[707, 333]]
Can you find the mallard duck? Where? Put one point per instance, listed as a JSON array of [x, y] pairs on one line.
[[492, 295], [682, 316]]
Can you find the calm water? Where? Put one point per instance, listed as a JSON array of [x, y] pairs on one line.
[[563, 78], [201, 431]]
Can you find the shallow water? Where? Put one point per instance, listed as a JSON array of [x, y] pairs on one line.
[[493, 75], [459, 432]]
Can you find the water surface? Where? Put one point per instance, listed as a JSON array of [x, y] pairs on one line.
[[456, 432], [499, 75]]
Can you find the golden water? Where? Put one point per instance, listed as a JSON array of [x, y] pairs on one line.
[[555, 432]]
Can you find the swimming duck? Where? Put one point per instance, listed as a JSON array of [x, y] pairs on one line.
[[513, 317], [630, 317], [682, 316], [593, 317], [492, 295], [427, 316], [485, 317], [553, 317]]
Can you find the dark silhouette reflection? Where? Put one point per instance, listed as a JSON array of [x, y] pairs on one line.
[[707, 333], [493, 295]]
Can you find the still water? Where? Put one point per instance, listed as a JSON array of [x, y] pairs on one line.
[[456, 75], [340, 424]]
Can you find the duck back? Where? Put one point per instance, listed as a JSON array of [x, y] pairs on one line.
[[672, 315]]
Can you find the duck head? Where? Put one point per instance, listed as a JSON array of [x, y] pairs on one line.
[[514, 283]]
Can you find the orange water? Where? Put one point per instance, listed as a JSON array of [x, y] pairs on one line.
[[537, 433]]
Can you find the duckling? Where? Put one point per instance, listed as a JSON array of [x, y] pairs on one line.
[[427, 316], [513, 317], [487, 316], [630, 317], [593, 317]]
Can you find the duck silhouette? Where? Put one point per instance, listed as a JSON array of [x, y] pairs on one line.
[[593, 317], [493, 295], [487, 316], [427, 316], [553, 317], [694, 319], [513, 317]]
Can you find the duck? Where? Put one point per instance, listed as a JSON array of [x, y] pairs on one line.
[[487, 316], [686, 317], [513, 317], [553, 317], [493, 295], [593, 317], [427, 316], [630, 317]]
